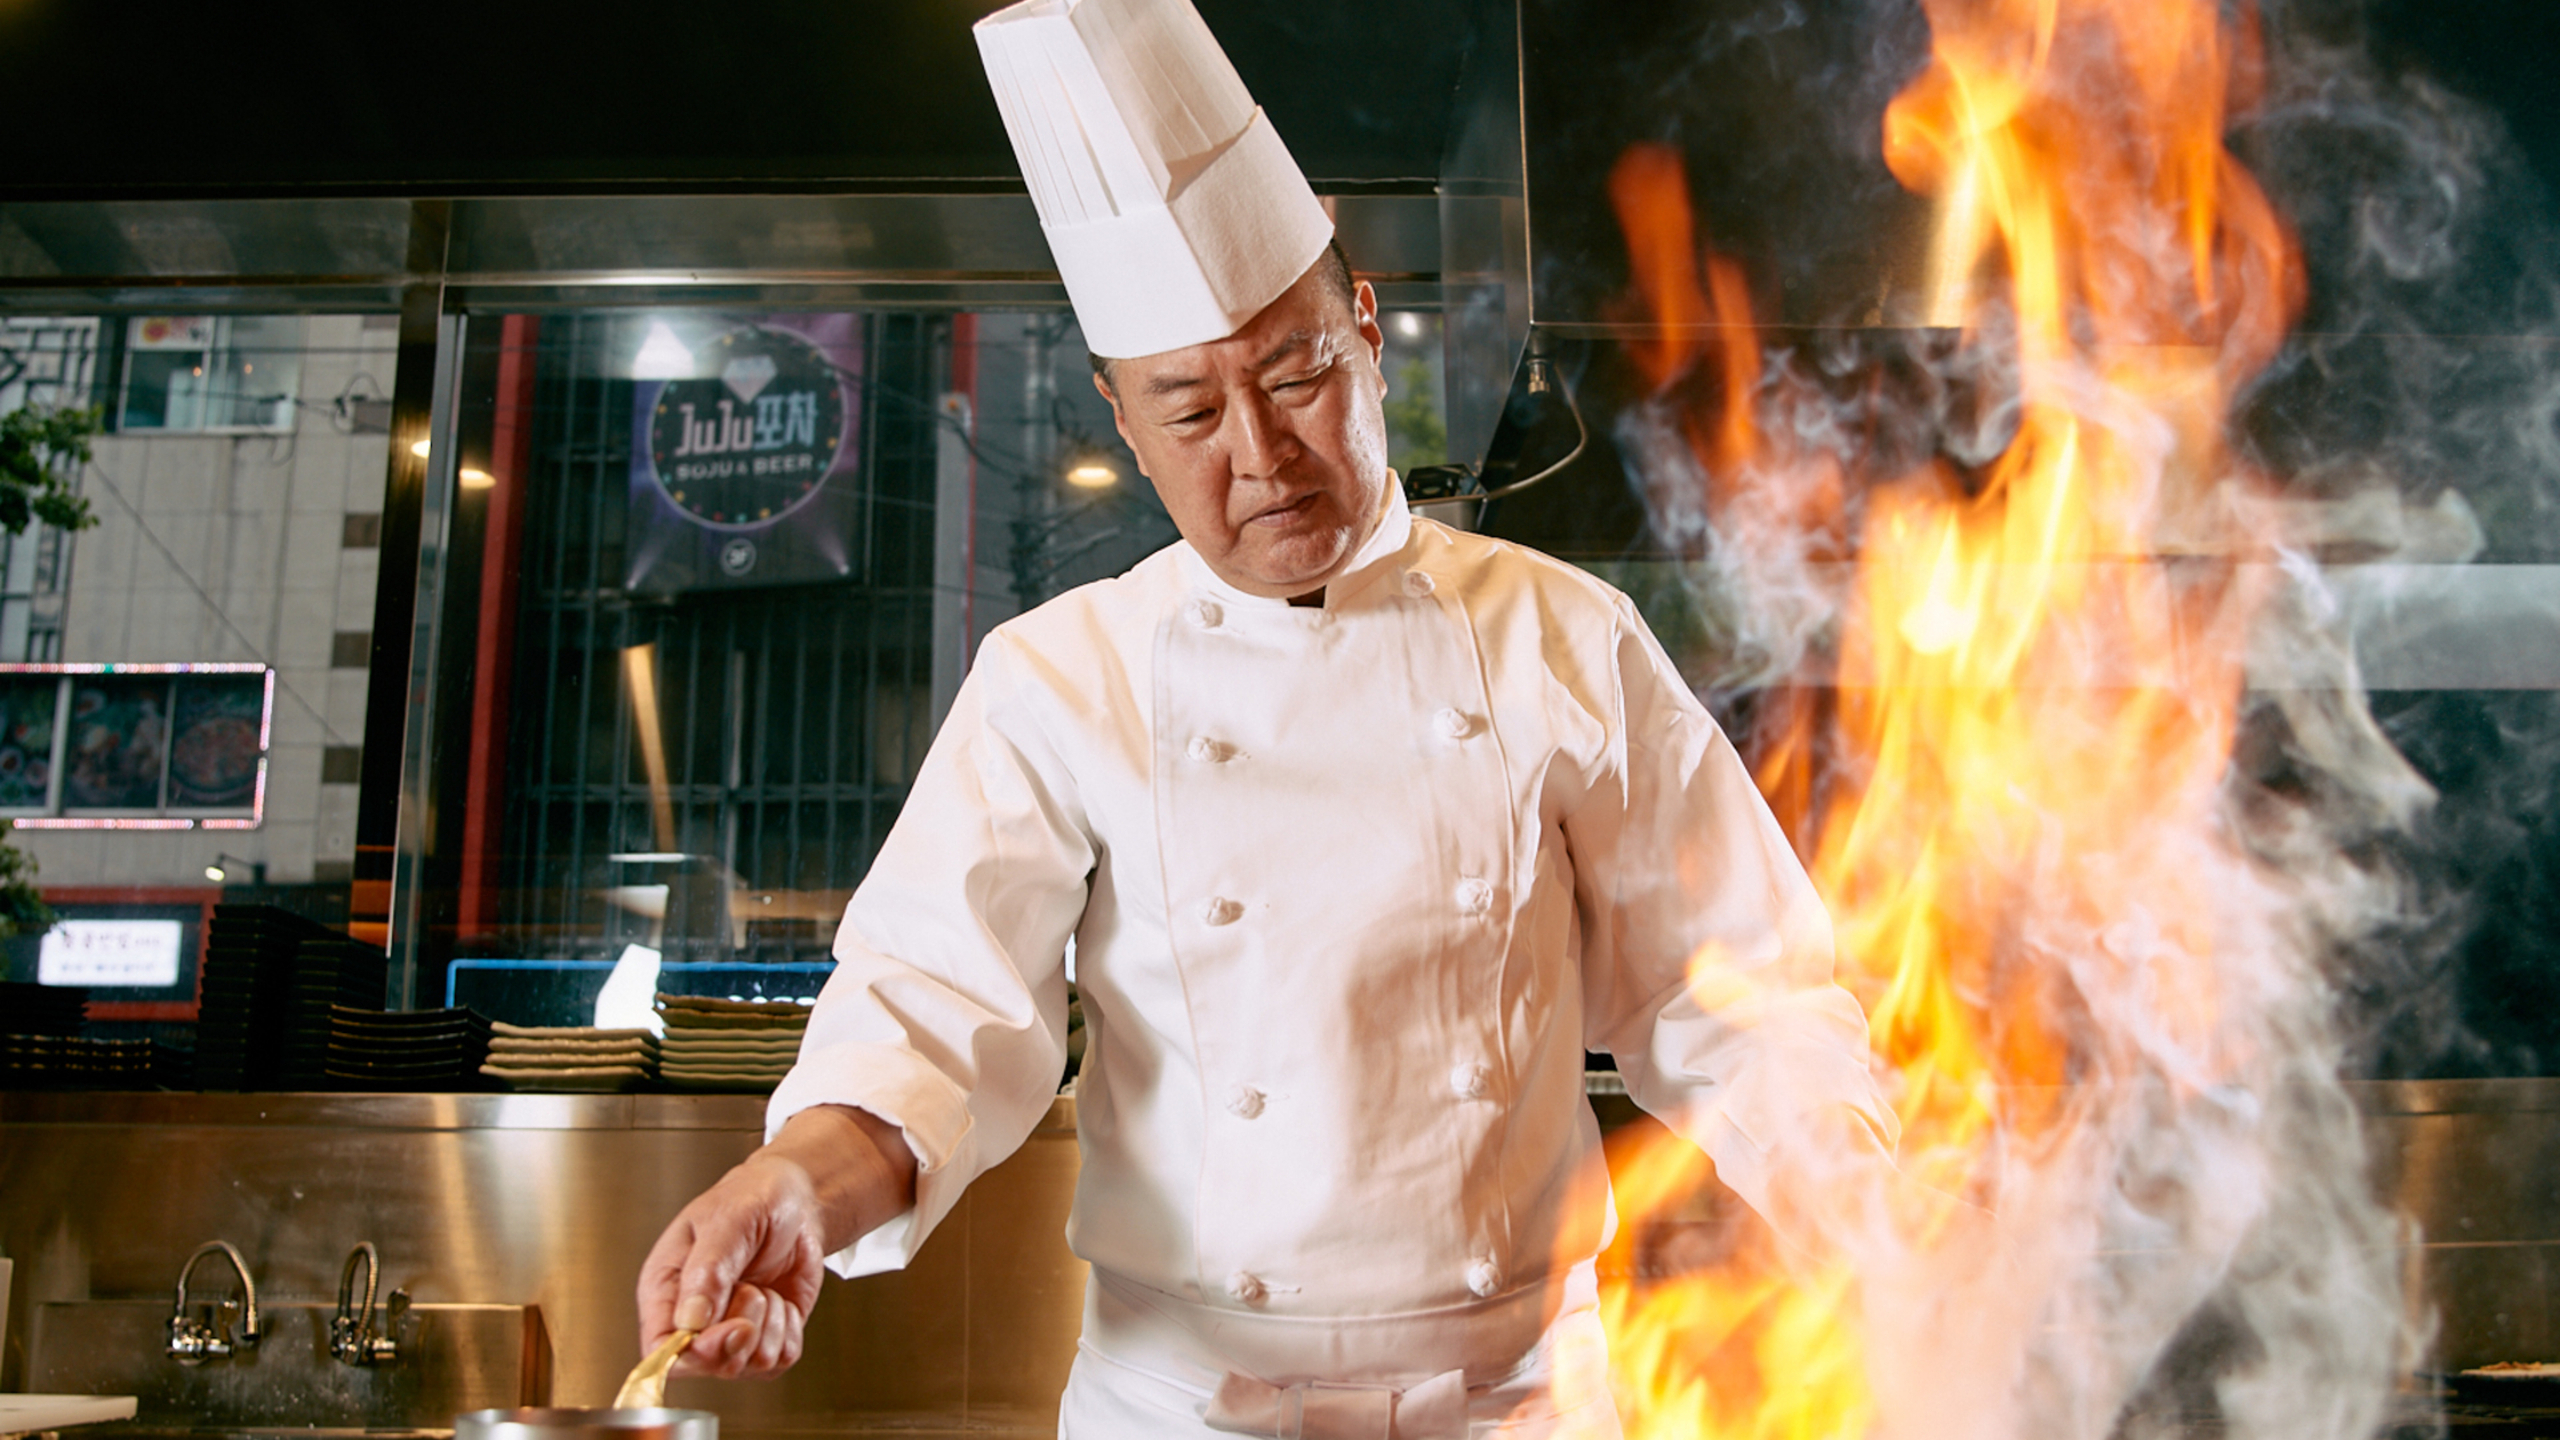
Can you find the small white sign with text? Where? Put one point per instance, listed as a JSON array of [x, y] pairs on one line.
[[127, 954]]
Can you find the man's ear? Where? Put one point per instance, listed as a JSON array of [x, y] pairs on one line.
[[1364, 316], [1119, 421]]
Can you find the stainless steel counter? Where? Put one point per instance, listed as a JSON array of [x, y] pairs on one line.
[[550, 1201], [546, 1201]]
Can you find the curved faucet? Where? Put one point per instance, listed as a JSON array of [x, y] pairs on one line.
[[351, 1334], [193, 1341]]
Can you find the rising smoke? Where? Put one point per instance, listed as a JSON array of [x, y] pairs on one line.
[[2205, 1240]]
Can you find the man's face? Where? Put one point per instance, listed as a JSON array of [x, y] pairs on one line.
[[1269, 447]]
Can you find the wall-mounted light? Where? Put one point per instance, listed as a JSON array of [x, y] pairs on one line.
[[1092, 475], [225, 868], [478, 479], [421, 449], [662, 356], [1409, 325]]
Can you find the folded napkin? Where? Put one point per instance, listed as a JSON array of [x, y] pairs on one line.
[[585, 1078]]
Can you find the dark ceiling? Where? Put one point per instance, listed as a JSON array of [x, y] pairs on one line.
[[578, 96]]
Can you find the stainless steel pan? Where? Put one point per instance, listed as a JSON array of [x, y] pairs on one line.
[[587, 1424]]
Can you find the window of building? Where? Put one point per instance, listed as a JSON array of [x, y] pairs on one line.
[[210, 374], [160, 747]]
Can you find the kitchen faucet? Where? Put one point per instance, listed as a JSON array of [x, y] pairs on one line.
[[352, 1338], [193, 1341]]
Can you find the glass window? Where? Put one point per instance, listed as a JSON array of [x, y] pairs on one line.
[[134, 747], [712, 578], [211, 373]]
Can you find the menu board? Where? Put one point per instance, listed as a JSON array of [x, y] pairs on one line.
[[213, 746], [119, 736], [27, 706]]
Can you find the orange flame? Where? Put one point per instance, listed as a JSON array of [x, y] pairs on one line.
[[2033, 706]]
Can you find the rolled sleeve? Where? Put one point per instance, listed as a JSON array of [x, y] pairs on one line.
[[946, 1014]]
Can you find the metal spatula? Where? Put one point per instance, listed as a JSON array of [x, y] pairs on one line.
[[646, 1387]]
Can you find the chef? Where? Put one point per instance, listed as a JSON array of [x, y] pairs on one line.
[[1362, 829]]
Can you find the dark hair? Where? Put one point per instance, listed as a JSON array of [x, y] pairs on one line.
[[1336, 268]]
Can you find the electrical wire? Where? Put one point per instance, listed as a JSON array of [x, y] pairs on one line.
[[1581, 440]]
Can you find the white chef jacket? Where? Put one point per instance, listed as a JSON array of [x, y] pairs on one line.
[[1352, 888]]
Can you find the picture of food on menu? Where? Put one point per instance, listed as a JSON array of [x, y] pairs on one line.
[[213, 752], [26, 740], [119, 727]]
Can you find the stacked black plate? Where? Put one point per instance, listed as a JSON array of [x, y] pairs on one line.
[[27, 1009], [407, 1050], [271, 982], [331, 974], [40, 1045]]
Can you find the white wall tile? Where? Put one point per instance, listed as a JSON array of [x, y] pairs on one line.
[[293, 781], [356, 572], [288, 847], [347, 694], [183, 476], [301, 694], [302, 636], [312, 540], [320, 475], [335, 837], [368, 469], [259, 485], [63, 857]]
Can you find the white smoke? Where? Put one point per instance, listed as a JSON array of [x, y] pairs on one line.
[[2206, 1243]]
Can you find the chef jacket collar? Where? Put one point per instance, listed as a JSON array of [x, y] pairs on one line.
[[1384, 546]]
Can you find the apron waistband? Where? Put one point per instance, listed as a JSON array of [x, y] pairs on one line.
[[1436, 1409], [1487, 1341]]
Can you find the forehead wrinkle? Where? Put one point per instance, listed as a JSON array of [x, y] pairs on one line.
[[1167, 384], [1298, 340]]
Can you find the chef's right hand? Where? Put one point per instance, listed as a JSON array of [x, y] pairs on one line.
[[741, 1264]]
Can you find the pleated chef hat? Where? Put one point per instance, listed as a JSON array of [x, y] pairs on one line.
[[1174, 211]]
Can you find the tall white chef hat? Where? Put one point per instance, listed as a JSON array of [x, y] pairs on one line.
[[1174, 211]]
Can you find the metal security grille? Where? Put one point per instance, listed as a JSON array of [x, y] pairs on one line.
[[44, 361], [788, 722]]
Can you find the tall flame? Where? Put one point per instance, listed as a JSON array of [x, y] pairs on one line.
[[2021, 825]]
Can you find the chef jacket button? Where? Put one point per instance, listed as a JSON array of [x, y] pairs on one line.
[[1247, 1287], [1455, 724], [1467, 1082], [1474, 896], [1417, 584], [1245, 1103], [1205, 614], [1220, 911], [1205, 749], [1483, 1277]]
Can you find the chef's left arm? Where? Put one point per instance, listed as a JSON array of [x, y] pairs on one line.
[[1707, 963]]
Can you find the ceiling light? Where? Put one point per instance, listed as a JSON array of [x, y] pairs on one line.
[[1409, 325], [478, 479], [662, 356], [1092, 475]]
